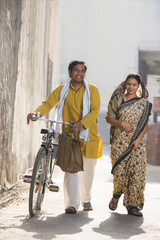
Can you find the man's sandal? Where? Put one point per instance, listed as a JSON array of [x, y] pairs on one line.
[[87, 206], [70, 210], [135, 212], [113, 203]]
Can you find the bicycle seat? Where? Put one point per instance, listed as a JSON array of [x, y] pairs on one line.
[[44, 131]]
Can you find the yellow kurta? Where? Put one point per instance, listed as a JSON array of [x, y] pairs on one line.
[[72, 112]]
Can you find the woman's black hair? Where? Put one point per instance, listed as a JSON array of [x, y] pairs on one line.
[[74, 63], [136, 76]]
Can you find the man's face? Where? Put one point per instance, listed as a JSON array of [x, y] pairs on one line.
[[78, 73]]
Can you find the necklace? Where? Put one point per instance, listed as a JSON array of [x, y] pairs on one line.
[[126, 97], [129, 98]]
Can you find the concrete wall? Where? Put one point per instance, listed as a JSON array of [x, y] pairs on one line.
[[26, 79], [10, 23]]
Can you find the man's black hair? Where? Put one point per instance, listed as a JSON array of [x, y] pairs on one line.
[[74, 63]]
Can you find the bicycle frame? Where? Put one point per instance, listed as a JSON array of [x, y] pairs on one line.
[[43, 167]]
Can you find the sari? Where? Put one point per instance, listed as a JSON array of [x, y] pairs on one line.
[[128, 166]]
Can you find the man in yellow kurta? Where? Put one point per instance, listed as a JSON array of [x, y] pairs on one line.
[[73, 98]]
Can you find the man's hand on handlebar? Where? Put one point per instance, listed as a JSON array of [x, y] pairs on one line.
[[33, 117], [29, 117]]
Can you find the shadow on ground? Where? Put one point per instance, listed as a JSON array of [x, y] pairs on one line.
[[48, 227], [120, 226]]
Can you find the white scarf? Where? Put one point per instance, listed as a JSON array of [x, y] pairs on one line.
[[84, 134]]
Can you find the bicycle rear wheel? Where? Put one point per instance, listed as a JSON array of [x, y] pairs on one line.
[[37, 187]]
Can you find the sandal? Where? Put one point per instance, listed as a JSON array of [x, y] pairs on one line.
[[135, 212], [70, 210], [113, 204], [87, 206]]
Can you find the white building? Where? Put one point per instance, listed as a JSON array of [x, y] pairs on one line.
[[113, 37]]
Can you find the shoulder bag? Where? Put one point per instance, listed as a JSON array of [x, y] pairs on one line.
[[69, 155]]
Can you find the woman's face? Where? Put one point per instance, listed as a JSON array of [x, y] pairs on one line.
[[132, 86]]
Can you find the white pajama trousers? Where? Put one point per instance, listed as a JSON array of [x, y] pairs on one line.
[[77, 186]]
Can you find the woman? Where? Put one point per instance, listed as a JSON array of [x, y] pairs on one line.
[[128, 113]]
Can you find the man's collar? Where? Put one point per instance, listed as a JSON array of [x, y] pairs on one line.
[[71, 85]]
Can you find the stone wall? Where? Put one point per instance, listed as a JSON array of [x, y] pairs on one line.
[[153, 144], [25, 80], [10, 24]]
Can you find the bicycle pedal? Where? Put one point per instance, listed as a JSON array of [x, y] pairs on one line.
[[27, 178], [53, 188]]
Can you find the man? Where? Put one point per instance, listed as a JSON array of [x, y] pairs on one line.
[[79, 102]]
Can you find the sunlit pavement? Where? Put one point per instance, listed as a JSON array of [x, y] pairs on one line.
[[99, 224]]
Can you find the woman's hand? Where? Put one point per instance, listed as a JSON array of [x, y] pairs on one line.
[[135, 144], [128, 127]]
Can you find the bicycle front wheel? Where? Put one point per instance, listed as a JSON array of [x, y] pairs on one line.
[[37, 187]]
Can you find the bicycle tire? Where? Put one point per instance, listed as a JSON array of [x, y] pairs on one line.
[[37, 187]]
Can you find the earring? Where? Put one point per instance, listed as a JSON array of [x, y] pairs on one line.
[[139, 92]]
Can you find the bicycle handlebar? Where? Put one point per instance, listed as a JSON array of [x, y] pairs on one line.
[[37, 116], [53, 121]]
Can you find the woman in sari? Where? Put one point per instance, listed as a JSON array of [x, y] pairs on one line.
[[128, 115]]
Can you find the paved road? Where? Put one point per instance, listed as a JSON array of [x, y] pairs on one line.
[[100, 224]]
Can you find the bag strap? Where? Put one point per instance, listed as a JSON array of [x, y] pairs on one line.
[[71, 126]]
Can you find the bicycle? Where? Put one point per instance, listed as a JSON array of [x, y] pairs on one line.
[[43, 166]]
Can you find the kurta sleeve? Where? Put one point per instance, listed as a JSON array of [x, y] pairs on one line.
[[50, 102]]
